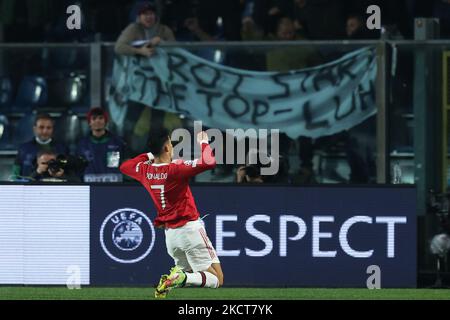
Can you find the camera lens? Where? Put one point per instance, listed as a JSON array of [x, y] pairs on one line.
[[54, 165]]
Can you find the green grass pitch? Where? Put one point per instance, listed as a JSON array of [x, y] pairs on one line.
[[94, 293]]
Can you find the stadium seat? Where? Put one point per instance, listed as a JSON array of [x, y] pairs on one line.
[[80, 109], [6, 93], [32, 93], [23, 129], [66, 91], [68, 129], [106, 88], [5, 135], [61, 58]]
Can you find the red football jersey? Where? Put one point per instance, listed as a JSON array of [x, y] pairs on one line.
[[168, 185]]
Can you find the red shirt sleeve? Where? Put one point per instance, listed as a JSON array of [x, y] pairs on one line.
[[190, 168], [134, 167]]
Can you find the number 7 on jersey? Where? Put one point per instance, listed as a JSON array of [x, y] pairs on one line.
[[161, 188]]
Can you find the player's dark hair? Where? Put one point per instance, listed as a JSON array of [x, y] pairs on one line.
[[157, 140]]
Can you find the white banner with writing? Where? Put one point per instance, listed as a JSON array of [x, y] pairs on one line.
[[309, 102]]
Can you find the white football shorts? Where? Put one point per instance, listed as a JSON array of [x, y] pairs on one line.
[[190, 247]]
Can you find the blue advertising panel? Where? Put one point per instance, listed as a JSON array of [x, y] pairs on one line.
[[125, 248], [265, 235]]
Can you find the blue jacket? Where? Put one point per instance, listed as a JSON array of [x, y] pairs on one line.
[[104, 155], [26, 156]]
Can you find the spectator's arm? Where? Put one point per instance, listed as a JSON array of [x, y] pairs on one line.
[[123, 46], [167, 34], [194, 27], [203, 36]]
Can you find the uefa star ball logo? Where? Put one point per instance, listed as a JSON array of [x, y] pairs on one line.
[[127, 235]]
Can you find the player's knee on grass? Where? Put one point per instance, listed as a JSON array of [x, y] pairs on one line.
[[220, 277], [217, 271], [217, 267]]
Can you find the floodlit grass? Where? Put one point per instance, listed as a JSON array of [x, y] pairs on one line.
[[92, 293]]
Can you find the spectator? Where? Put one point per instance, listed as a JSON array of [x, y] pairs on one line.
[[290, 58], [102, 150], [323, 19], [190, 30], [266, 13], [221, 17], [160, 5], [53, 168], [147, 27], [43, 131], [196, 31], [354, 25], [356, 29]]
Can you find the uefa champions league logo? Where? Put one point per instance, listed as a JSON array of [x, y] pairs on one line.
[[127, 235]]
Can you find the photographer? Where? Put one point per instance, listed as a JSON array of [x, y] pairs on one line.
[[438, 204], [61, 168], [42, 141], [439, 245], [249, 174]]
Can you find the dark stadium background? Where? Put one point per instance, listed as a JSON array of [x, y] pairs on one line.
[[45, 67]]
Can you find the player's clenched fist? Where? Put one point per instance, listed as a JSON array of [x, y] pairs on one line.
[[202, 136]]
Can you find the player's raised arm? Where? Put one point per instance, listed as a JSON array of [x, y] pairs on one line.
[[133, 167], [207, 160]]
